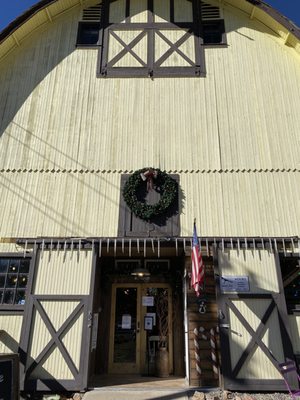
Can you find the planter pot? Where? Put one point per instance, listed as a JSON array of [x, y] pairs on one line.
[[162, 363]]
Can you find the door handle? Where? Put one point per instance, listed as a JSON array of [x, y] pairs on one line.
[[138, 327], [226, 326]]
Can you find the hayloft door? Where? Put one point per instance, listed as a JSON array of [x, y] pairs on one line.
[[136, 314]]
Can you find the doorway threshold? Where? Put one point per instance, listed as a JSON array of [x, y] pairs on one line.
[[130, 381]]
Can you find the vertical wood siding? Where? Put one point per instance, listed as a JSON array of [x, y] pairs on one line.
[[242, 115], [258, 366], [71, 270], [232, 136], [60, 273], [87, 203], [55, 365], [260, 267], [10, 330]]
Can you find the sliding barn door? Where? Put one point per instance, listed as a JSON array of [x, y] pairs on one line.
[[55, 344], [252, 322]]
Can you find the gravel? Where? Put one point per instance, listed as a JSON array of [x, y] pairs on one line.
[[225, 395]]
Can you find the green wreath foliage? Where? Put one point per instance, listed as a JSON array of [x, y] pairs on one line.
[[143, 210]]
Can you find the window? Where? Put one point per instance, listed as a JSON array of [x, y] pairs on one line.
[[89, 27], [290, 270], [13, 280], [213, 27], [214, 32], [88, 34]]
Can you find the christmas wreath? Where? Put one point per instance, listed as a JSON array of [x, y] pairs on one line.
[[151, 177]]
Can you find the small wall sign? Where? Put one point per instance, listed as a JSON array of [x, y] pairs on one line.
[[153, 315], [9, 376], [148, 301], [234, 284], [126, 321], [148, 323]]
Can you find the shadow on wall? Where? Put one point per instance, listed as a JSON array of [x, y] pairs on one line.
[[255, 323], [43, 52], [47, 379], [28, 65]]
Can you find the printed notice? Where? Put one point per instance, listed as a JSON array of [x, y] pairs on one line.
[[153, 315], [126, 321], [234, 284], [148, 301]]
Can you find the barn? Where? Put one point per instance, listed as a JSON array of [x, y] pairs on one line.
[[121, 123]]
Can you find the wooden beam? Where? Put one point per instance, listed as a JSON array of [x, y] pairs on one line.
[[48, 14], [252, 12]]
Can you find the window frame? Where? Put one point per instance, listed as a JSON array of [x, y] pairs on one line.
[[19, 256], [222, 32], [79, 43], [290, 262]]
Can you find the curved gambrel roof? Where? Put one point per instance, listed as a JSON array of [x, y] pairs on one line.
[[50, 9]]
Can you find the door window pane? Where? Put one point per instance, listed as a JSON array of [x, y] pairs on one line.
[[125, 325]]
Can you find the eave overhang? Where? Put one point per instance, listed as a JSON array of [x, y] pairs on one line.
[[43, 4]]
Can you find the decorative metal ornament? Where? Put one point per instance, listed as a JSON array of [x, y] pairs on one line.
[[152, 177], [202, 307]]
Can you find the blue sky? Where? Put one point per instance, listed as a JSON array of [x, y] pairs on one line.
[[13, 8]]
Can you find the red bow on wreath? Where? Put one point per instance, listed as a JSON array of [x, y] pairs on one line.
[[148, 176]]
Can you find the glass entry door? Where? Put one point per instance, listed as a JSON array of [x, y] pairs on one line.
[[135, 327]]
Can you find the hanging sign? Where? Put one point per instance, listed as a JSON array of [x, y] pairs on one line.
[[234, 284]]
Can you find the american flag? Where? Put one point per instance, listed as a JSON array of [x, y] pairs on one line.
[[197, 264]]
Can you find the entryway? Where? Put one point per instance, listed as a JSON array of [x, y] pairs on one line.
[[136, 315], [141, 322]]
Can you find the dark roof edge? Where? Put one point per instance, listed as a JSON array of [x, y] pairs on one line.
[[276, 15], [16, 23]]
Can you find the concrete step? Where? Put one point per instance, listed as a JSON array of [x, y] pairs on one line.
[[135, 394]]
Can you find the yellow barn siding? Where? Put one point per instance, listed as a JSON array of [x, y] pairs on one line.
[[72, 341], [59, 204], [55, 367], [138, 11], [40, 336], [10, 332], [241, 204], [210, 114], [258, 366], [259, 266], [161, 10], [71, 269], [87, 204], [58, 312]]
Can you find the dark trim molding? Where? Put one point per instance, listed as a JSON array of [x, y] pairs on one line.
[[276, 15]]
